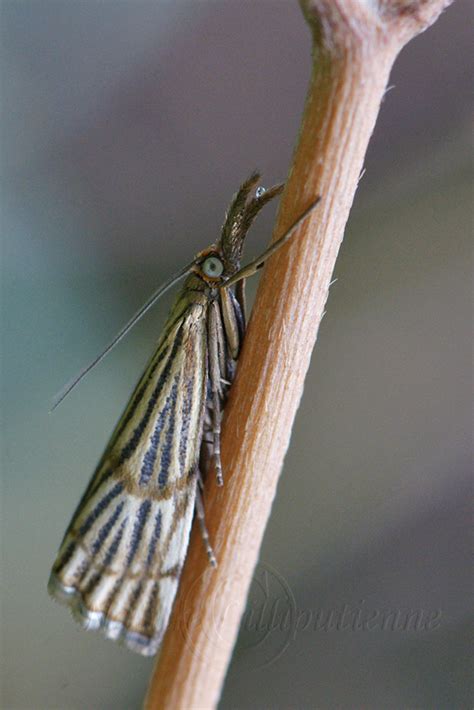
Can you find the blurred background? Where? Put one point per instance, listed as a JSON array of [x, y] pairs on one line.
[[126, 128]]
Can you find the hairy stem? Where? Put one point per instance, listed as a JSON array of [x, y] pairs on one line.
[[354, 46]]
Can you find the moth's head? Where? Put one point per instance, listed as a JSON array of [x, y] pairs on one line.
[[245, 206], [220, 261]]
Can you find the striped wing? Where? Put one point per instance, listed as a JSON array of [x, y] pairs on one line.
[[120, 560]]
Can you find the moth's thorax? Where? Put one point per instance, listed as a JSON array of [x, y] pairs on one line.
[[195, 287]]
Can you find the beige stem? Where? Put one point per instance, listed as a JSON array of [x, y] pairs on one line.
[[355, 44]]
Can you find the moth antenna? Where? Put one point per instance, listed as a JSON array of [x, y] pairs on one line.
[[257, 263], [62, 394]]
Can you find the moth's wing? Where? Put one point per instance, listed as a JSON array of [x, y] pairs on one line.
[[120, 560]]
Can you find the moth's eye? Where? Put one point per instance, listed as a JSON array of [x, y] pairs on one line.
[[212, 266]]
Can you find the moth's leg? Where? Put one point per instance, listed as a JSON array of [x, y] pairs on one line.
[[207, 443], [233, 330], [216, 364], [202, 523], [241, 299], [199, 480]]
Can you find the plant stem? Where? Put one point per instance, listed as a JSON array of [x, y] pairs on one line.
[[355, 45]]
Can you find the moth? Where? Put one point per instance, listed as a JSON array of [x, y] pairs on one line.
[[119, 563]]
